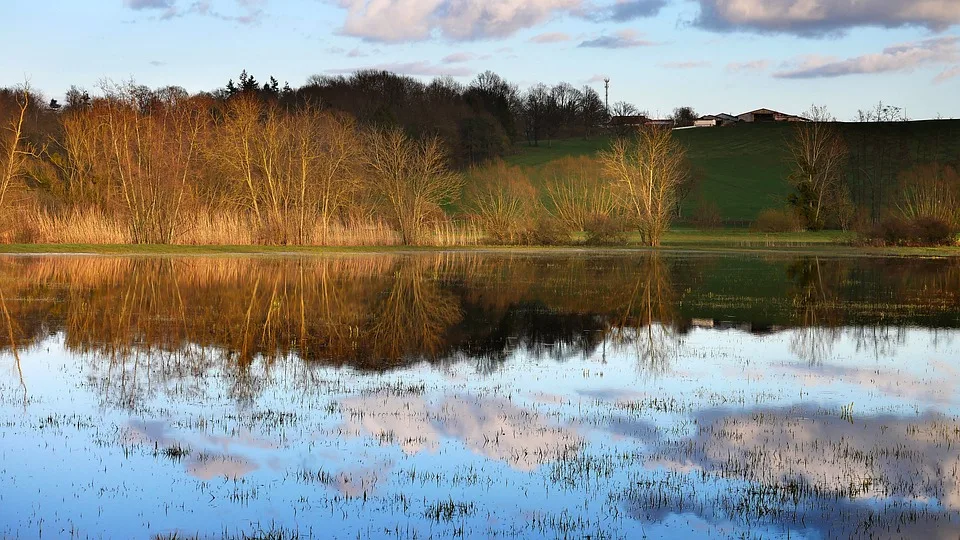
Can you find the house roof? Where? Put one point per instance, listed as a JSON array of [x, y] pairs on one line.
[[762, 111]]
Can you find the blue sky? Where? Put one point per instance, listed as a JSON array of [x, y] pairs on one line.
[[715, 55]]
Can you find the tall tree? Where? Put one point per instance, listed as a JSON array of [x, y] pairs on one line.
[[12, 152], [411, 177], [591, 111], [536, 110], [647, 172], [819, 159]]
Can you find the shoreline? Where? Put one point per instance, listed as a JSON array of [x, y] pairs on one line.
[[691, 248]]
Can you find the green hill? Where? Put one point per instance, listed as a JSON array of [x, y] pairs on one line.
[[744, 169]]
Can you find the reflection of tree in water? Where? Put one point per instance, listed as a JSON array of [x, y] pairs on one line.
[[150, 325], [648, 318], [871, 301], [10, 326], [816, 306], [409, 320]]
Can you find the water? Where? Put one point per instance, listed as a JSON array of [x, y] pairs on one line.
[[600, 395]]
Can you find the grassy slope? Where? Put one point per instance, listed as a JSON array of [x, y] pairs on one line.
[[744, 169]]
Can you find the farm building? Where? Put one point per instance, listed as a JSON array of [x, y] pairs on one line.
[[666, 122], [769, 115], [712, 120], [628, 121], [727, 119], [707, 121]]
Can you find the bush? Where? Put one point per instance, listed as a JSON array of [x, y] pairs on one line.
[[549, 232], [502, 203], [604, 230], [895, 230], [933, 231], [706, 215], [776, 221]]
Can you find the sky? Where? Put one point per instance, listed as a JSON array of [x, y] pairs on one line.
[[714, 55]]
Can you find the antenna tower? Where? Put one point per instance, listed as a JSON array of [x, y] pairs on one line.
[[606, 87]]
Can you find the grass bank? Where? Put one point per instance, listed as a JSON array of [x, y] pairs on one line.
[[681, 240]]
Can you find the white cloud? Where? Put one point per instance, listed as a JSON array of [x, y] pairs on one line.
[[458, 58], [902, 57], [686, 65], [412, 20], [947, 74], [550, 37], [750, 66]]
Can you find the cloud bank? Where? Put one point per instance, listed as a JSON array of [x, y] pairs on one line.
[[465, 20], [239, 11], [902, 57], [822, 17], [623, 39]]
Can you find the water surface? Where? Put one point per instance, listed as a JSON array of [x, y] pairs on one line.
[[443, 395]]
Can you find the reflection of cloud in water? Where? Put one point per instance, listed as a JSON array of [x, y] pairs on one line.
[[210, 456], [494, 428], [208, 467], [940, 390], [357, 481], [879, 468]]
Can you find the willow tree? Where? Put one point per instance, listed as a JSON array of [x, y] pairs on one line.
[[647, 172], [411, 177]]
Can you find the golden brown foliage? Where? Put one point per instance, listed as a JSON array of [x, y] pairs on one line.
[[647, 172]]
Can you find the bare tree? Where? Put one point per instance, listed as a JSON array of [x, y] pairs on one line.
[[233, 146], [152, 149], [577, 192], [411, 177], [11, 145], [647, 173], [930, 191], [819, 157], [503, 202], [323, 157], [536, 113], [622, 108], [591, 111]]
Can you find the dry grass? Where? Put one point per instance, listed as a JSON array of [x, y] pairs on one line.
[[95, 226], [358, 234], [91, 226], [219, 229]]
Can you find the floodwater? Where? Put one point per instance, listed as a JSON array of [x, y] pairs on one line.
[[509, 395]]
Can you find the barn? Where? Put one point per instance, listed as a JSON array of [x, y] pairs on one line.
[[769, 115]]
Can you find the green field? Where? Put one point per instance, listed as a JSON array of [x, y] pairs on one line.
[[744, 169]]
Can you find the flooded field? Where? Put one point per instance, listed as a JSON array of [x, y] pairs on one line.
[[575, 395]]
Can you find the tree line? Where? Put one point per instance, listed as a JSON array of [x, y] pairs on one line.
[[272, 164], [375, 157], [892, 181]]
